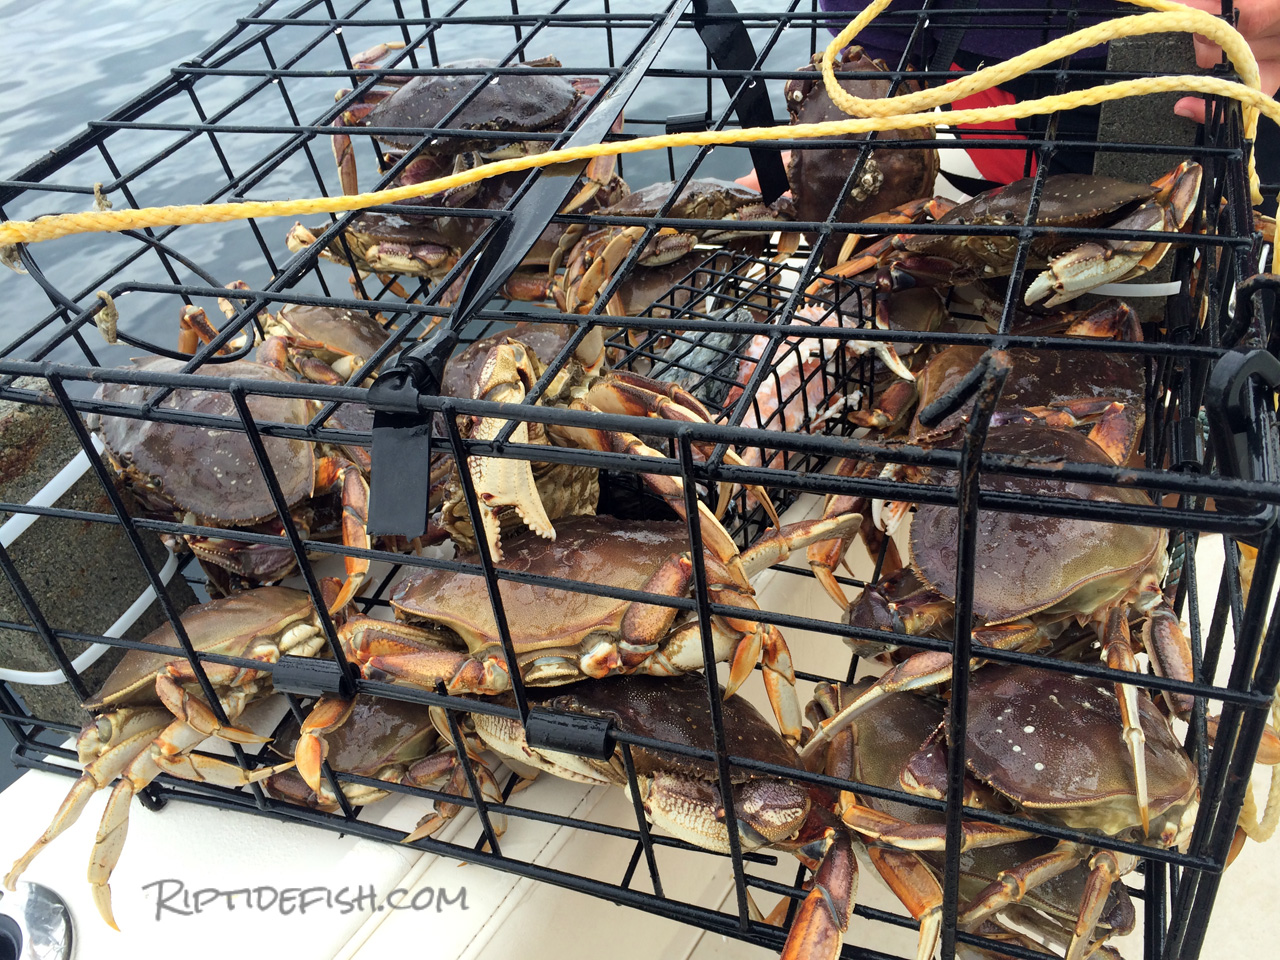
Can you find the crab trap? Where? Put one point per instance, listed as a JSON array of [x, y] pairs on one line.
[[519, 454]]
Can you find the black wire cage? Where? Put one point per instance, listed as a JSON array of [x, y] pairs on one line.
[[778, 352]]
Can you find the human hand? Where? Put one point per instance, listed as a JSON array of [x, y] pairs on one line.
[[1260, 26], [752, 182]]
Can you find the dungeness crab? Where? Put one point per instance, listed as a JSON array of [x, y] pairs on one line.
[[1004, 874], [1043, 742], [446, 631], [1040, 575], [682, 794], [890, 177], [208, 476], [149, 714], [1066, 200]]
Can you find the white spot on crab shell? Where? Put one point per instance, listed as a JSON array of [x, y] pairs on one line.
[[640, 535], [1028, 729], [1039, 766], [1016, 748]]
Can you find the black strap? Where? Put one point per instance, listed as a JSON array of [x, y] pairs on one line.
[[944, 54], [398, 497], [729, 44]]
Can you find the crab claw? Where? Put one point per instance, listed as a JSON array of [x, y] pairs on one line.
[[506, 377], [1095, 263], [327, 715], [823, 918], [923, 670]]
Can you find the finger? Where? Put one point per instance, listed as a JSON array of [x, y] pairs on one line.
[[1259, 18], [1270, 71], [1208, 53], [1190, 107], [752, 180]]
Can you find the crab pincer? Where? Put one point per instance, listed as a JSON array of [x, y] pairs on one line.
[[508, 374], [1066, 200]]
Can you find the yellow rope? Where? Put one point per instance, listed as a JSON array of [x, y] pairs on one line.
[[882, 114], [1175, 18]]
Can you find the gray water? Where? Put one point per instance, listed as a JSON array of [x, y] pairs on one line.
[[72, 61]]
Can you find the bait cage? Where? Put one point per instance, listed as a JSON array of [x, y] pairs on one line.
[[260, 103]]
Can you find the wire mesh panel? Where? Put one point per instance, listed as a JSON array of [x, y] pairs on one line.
[[690, 358]]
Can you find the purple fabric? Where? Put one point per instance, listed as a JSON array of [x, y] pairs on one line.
[[990, 37]]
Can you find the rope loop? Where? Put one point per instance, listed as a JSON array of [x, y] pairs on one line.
[[866, 116]]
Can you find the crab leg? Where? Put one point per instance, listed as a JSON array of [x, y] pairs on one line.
[[506, 377], [917, 889], [1011, 885], [335, 473], [1117, 653], [399, 652], [633, 395], [826, 556], [763, 643], [1105, 868], [327, 714], [927, 836], [671, 489], [433, 768], [194, 329], [928, 669], [778, 544], [508, 374], [823, 917], [279, 351], [113, 741], [160, 755], [1170, 652]]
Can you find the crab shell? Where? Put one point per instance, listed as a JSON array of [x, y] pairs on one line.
[[680, 793], [462, 371], [1039, 378], [1048, 741], [550, 628], [1066, 200], [232, 626], [515, 102], [345, 333], [886, 737], [208, 471], [1089, 564], [703, 199], [890, 177], [381, 739]]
